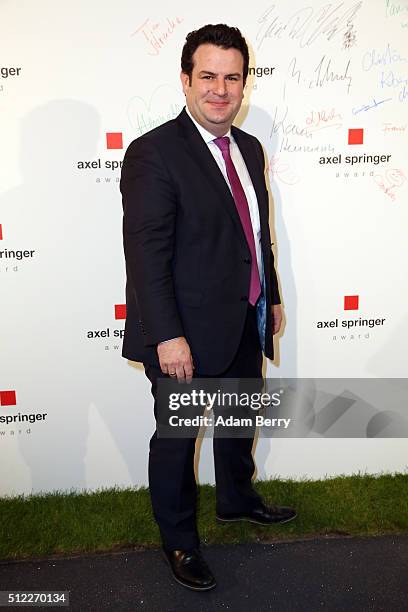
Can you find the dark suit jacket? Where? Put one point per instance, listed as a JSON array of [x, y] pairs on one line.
[[187, 259]]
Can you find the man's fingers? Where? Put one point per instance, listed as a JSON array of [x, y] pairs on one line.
[[175, 359], [181, 376], [183, 373], [188, 369], [173, 356], [166, 368]]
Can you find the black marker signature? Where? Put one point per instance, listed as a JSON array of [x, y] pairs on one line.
[[286, 128], [325, 75], [307, 24]]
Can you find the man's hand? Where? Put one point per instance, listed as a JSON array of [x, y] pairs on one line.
[[175, 359], [276, 318]]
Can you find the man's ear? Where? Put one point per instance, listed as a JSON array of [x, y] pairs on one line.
[[185, 81]]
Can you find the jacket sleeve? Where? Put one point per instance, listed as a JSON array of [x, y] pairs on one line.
[[275, 297], [149, 224]]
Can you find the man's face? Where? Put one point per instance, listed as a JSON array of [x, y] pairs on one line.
[[215, 94]]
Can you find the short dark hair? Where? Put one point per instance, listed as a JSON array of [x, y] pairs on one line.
[[219, 35]]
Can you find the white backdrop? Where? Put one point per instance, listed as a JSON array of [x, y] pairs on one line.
[[79, 81]]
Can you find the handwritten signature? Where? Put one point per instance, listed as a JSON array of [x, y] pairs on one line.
[[144, 115], [391, 179], [403, 94], [327, 75], [349, 37], [157, 35], [307, 24], [287, 146], [394, 80], [318, 120], [374, 58], [287, 128], [367, 107], [324, 74], [392, 10], [388, 127], [281, 171]]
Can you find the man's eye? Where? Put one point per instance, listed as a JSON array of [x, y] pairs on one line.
[[207, 76]]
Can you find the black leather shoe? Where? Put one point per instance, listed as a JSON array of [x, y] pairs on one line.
[[190, 570], [262, 515]]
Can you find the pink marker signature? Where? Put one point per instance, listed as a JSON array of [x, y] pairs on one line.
[[156, 34], [281, 171], [318, 120], [389, 181]]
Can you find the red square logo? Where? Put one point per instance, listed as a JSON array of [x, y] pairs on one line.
[[8, 398], [1, 232], [120, 311], [351, 302], [114, 140], [356, 136]]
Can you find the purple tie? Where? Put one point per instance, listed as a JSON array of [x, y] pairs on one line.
[[242, 207]]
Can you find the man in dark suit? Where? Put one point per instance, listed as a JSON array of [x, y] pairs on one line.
[[202, 293]]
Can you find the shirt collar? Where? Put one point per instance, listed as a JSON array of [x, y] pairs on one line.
[[206, 135]]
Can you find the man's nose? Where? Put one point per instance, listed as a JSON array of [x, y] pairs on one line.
[[220, 87]]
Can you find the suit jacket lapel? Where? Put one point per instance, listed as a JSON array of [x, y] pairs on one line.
[[199, 151]]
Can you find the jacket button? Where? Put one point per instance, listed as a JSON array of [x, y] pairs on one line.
[[247, 260], [244, 298]]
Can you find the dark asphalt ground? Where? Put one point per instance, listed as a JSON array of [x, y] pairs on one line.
[[333, 574]]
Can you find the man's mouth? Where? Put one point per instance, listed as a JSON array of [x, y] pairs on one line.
[[218, 104]]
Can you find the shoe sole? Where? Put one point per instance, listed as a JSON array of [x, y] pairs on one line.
[[192, 588], [184, 584], [243, 519]]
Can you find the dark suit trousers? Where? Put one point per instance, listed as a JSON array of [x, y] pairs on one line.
[[171, 460]]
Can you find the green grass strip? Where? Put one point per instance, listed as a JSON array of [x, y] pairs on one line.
[[112, 519]]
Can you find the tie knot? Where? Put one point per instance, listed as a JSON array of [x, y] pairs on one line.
[[222, 143]]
